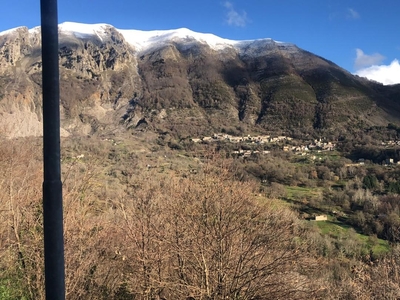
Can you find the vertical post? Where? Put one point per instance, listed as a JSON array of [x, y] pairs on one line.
[[52, 187]]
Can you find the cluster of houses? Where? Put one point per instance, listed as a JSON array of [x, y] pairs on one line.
[[390, 143], [316, 145], [261, 139], [247, 153]]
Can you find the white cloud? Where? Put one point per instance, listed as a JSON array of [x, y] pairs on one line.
[[352, 14], [235, 18], [384, 74], [364, 60], [349, 14]]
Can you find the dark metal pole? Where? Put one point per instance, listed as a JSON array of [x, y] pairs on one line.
[[52, 187]]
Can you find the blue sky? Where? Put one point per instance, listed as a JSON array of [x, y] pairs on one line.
[[358, 35]]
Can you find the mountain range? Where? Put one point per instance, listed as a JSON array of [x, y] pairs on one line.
[[185, 82]]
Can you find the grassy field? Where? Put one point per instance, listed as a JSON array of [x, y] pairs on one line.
[[338, 231], [368, 245], [298, 192]]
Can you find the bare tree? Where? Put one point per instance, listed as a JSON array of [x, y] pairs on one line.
[[208, 237], [231, 246], [20, 230]]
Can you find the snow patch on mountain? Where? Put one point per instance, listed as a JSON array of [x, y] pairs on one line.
[[82, 31], [143, 40], [12, 30]]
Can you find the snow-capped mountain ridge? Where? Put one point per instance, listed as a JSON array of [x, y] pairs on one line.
[[144, 40]]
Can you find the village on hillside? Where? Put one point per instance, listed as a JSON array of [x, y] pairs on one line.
[[302, 149]]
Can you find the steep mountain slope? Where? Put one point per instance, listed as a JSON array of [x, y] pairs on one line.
[[183, 81]]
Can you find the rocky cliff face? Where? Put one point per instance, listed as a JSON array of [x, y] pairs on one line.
[[98, 79], [184, 84]]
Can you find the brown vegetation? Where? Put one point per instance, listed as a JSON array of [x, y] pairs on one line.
[[135, 232]]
